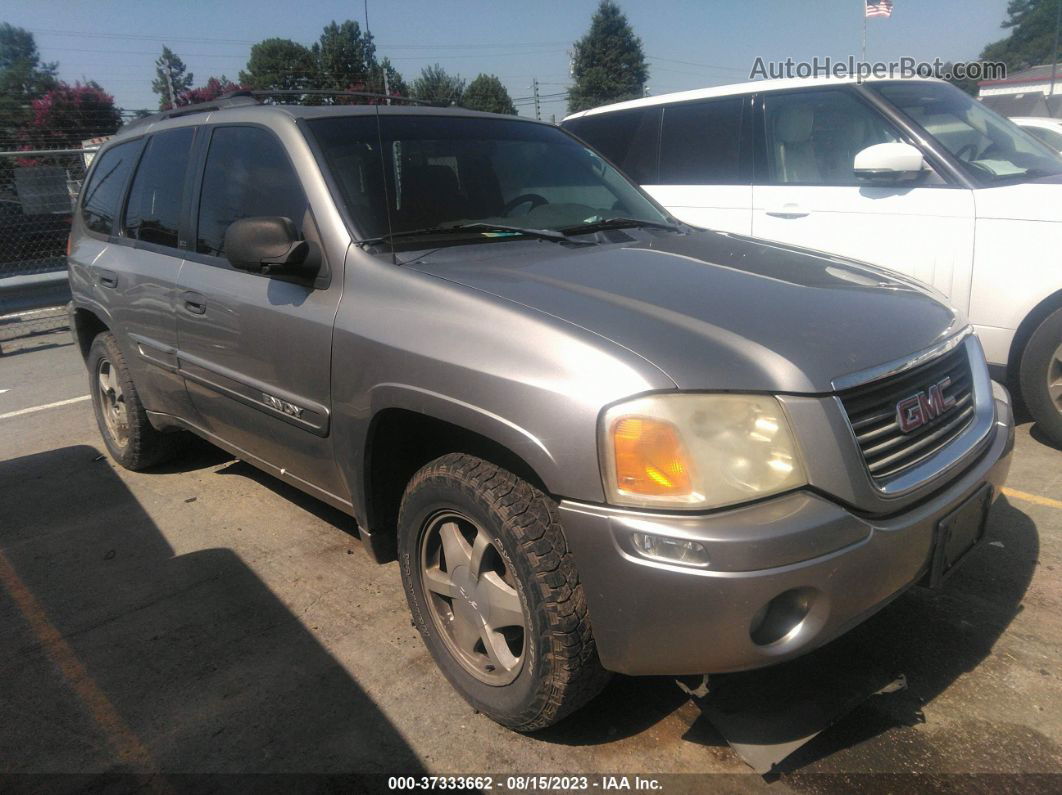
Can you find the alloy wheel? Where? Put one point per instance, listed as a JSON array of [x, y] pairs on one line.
[[1054, 378], [472, 597], [113, 407]]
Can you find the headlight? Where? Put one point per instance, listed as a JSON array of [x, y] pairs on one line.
[[698, 451]]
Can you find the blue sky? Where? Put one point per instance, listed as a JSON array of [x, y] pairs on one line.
[[690, 43]]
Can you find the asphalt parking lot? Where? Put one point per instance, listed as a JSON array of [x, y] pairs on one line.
[[206, 618]]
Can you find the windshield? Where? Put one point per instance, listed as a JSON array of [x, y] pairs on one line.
[[444, 171], [991, 148]]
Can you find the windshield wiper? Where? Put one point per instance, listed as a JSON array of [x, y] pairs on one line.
[[618, 223], [477, 226]]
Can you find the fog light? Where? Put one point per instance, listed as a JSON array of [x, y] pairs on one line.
[[670, 550], [781, 616]]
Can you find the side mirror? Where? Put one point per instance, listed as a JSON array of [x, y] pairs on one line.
[[270, 245], [889, 164]]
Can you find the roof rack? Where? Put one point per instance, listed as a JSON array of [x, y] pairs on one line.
[[314, 92], [233, 99], [243, 97]]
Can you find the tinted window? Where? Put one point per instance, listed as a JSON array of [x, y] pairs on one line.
[[814, 136], [247, 175], [153, 212], [701, 143], [629, 138], [104, 189]]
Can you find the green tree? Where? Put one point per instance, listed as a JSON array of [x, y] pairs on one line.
[[172, 79], [487, 93], [344, 56], [609, 65], [23, 78], [280, 64], [1032, 33], [438, 87], [965, 84]]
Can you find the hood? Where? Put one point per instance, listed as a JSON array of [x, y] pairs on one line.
[[1037, 200], [714, 310]]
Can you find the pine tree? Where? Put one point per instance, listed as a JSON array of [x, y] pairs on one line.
[[609, 65], [1032, 32], [487, 93], [172, 79], [438, 87]]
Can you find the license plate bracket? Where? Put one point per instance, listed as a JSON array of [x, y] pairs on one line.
[[958, 533]]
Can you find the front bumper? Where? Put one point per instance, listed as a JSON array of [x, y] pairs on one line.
[[828, 567]]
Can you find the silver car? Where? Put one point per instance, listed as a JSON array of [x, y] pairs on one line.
[[594, 438]]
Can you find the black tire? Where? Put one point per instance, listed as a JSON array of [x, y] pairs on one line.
[[1041, 365], [130, 439], [560, 670]]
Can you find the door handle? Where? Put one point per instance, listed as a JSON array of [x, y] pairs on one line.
[[194, 303], [107, 278], [788, 210]]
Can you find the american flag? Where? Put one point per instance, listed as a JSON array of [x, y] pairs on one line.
[[879, 8]]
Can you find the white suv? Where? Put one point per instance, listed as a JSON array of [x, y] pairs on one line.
[[911, 175]]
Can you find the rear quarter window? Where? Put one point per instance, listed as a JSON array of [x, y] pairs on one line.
[[102, 194]]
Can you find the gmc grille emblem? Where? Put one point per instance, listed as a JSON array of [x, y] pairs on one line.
[[915, 411]]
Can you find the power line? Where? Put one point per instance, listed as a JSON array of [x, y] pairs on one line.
[[205, 39]]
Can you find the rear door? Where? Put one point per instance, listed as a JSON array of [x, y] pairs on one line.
[[135, 274], [705, 174], [255, 351], [806, 192]]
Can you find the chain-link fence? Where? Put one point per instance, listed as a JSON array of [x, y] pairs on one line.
[[37, 193]]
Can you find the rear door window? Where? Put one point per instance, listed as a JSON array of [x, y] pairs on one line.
[[629, 138], [153, 211], [247, 175], [700, 143], [99, 206]]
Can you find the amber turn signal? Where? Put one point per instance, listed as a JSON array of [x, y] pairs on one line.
[[650, 458]]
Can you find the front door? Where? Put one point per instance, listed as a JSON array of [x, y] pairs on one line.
[[806, 194], [255, 351]]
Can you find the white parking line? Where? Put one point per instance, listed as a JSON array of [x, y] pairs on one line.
[[2, 391], [34, 409]]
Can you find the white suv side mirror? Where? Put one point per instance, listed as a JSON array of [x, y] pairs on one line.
[[891, 163]]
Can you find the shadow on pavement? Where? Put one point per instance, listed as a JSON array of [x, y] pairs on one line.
[[116, 654]]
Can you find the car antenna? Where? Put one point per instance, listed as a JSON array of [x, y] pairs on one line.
[[387, 201]]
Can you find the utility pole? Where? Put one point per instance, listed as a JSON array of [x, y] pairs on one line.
[[1054, 56], [169, 84], [534, 91]]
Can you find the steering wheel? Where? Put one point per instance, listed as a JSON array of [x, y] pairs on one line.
[[535, 200], [973, 151]]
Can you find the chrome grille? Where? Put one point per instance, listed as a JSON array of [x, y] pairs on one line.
[[871, 409]]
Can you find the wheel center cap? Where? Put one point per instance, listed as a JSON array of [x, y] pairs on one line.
[[467, 591]]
